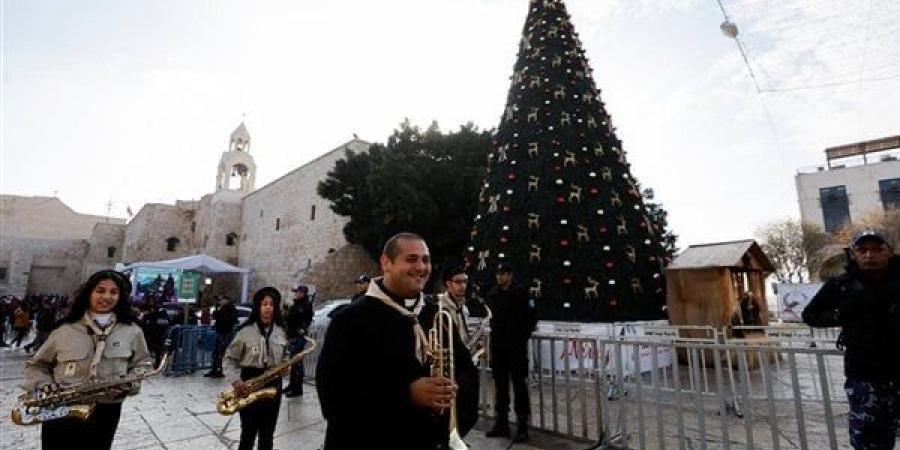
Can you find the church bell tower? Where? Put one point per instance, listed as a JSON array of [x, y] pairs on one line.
[[236, 165]]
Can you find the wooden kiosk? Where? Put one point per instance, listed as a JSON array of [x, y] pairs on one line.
[[704, 283]]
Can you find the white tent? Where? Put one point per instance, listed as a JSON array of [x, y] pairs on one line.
[[202, 263]]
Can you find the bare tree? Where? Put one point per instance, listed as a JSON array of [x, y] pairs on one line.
[[782, 240]]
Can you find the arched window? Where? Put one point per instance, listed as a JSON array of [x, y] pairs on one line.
[[110, 252], [231, 239], [172, 244]]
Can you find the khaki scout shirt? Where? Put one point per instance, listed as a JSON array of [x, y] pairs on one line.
[[66, 356], [248, 350]]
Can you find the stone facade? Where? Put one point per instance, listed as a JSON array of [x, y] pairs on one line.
[[286, 228], [44, 244], [284, 232]]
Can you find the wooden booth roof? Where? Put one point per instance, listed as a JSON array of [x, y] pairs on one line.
[[722, 254]]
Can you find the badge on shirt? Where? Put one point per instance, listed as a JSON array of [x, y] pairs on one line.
[[117, 344], [254, 350], [70, 369]]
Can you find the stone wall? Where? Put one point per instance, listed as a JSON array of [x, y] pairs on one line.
[[219, 215], [280, 237], [146, 233], [334, 276], [105, 248], [45, 217], [51, 266]]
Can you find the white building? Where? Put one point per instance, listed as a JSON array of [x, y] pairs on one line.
[[857, 179]]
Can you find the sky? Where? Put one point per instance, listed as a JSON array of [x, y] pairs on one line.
[[129, 102]]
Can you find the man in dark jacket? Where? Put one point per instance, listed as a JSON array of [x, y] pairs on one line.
[[374, 388], [865, 302], [512, 323], [226, 318], [299, 316]]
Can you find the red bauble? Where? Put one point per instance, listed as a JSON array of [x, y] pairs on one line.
[[564, 242], [560, 200], [503, 239], [506, 208], [594, 191], [602, 230], [557, 168], [651, 259], [613, 302], [516, 145], [511, 177], [610, 265], [567, 280]]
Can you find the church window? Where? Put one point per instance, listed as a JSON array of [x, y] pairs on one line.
[[172, 244], [312, 213], [277, 223], [260, 214], [3, 273], [193, 227], [230, 239], [110, 252]]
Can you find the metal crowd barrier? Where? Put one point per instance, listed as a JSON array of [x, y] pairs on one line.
[[193, 349], [688, 387]]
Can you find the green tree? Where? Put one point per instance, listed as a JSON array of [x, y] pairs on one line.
[[659, 218], [420, 181]]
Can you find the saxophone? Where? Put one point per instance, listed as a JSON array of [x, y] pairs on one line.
[[476, 343], [77, 401], [229, 402]]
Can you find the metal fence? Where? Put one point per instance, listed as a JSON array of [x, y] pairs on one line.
[[193, 348], [653, 386], [689, 387]]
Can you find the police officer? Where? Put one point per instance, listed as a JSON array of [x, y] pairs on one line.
[[865, 302], [98, 339], [511, 326]]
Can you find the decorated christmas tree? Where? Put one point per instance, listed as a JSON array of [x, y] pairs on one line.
[[559, 203]]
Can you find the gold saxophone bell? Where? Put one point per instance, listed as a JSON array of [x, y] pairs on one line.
[[78, 401], [229, 402], [440, 352]]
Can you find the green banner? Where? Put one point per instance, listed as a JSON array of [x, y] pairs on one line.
[[190, 286]]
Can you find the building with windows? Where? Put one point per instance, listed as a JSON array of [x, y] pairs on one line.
[[283, 232], [856, 180]]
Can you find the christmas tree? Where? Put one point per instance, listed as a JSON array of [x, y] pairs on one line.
[[559, 203]]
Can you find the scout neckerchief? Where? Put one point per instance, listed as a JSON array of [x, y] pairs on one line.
[[376, 291], [100, 343], [456, 311], [265, 333]]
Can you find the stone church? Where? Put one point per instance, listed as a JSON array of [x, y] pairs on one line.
[[283, 232]]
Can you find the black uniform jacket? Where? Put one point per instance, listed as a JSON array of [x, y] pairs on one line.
[[366, 366], [513, 317], [869, 315]]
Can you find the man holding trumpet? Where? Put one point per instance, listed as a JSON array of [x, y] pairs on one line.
[[372, 377]]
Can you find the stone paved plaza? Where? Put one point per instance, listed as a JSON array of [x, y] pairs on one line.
[[179, 413]]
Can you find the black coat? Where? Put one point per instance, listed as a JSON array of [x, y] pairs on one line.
[[299, 316], [365, 368], [226, 318], [465, 372], [869, 315], [513, 318]]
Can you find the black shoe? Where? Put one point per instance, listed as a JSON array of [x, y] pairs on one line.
[[500, 429], [521, 435], [214, 374], [293, 393]]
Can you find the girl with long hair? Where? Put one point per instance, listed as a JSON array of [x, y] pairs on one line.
[[260, 343], [98, 339]]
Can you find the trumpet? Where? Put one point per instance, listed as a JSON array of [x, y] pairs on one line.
[[440, 354], [78, 401], [230, 402]]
